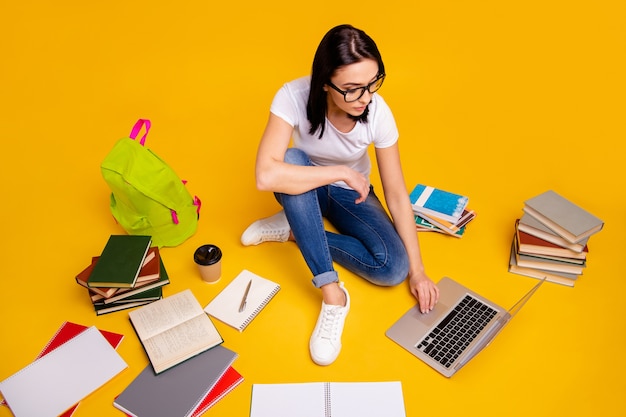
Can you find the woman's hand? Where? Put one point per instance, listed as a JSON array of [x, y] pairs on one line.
[[359, 183], [425, 290]]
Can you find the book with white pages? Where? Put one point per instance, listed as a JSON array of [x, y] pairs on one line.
[[320, 399], [568, 220], [174, 329], [530, 225], [437, 202], [247, 292], [58, 380]]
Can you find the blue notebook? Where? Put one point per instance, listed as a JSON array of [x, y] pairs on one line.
[[437, 202]]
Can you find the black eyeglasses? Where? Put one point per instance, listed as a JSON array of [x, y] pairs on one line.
[[353, 94]]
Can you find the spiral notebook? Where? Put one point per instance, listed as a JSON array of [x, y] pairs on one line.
[[226, 305], [56, 381], [336, 399]]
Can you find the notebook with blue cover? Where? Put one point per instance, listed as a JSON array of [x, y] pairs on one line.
[[437, 202]]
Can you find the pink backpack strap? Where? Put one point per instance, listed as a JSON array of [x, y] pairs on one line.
[[196, 202], [137, 128], [174, 216]]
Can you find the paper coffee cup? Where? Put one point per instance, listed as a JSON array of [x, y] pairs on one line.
[[209, 261]]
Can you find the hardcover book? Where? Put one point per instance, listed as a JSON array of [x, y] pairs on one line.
[[532, 245], [546, 264], [451, 228], [112, 308], [148, 294], [432, 228], [127, 293], [532, 226], [163, 324], [574, 261], [151, 267], [550, 276], [136, 300], [424, 225], [149, 272], [437, 202], [120, 261], [83, 276], [567, 219]]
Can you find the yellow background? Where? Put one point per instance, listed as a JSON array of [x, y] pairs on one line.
[[497, 100]]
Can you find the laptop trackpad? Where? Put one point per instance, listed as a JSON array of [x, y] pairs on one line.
[[434, 316]]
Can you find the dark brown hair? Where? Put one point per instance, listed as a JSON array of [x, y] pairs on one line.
[[342, 45]]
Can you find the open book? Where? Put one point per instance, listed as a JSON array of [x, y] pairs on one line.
[[320, 399], [174, 329]]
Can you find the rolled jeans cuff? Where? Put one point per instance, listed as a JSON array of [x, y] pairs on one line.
[[325, 278]]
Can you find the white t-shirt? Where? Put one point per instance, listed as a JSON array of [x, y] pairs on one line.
[[335, 147]]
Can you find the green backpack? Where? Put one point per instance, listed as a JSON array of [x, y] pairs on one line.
[[147, 197]]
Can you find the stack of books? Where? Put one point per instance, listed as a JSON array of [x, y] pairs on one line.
[[551, 239], [441, 211], [128, 273]]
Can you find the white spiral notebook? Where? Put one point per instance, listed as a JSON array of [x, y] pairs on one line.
[[320, 399], [226, 305], [56, 381]]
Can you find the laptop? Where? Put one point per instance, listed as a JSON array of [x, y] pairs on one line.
[[461, 325]]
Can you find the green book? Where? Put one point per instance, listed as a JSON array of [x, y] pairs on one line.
[[423, 223], [150, 294], [124, 294], [111, 308], [120, 261]]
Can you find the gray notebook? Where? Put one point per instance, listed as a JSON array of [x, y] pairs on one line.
[[179, 390]]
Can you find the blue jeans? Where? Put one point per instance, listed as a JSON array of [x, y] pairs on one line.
[[367, 243]]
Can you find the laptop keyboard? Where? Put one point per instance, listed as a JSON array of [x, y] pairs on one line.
[[457, 330]]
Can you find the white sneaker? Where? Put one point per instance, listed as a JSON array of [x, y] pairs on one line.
[[270, 229], [325, 343]]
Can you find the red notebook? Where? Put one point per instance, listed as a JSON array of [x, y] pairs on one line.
[[66, 332], [224, 385]]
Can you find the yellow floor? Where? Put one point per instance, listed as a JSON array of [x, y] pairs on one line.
[[497, 100]]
